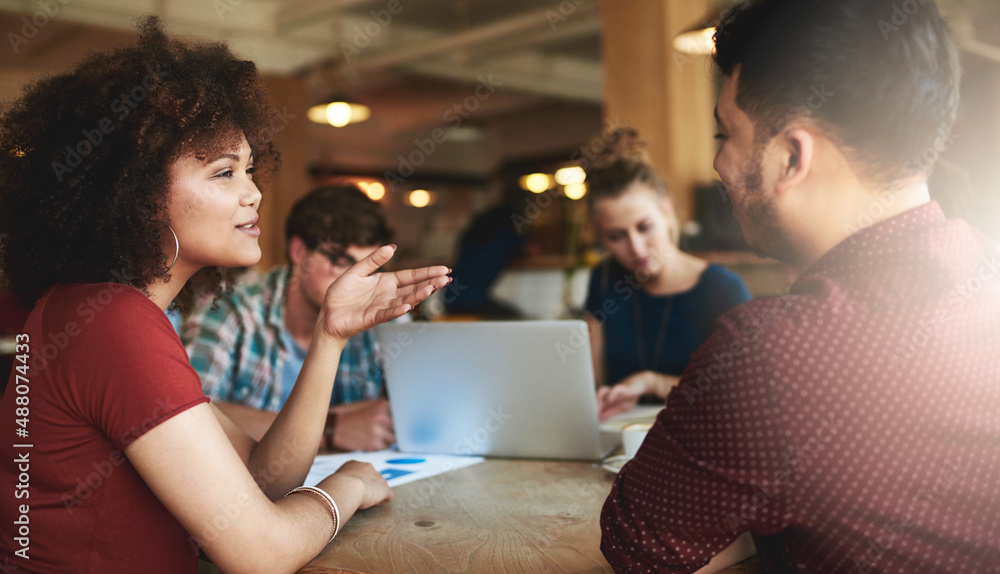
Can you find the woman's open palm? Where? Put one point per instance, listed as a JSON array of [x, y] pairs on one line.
[[362, 298]]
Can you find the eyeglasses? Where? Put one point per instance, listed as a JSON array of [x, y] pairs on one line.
[[339, 260]]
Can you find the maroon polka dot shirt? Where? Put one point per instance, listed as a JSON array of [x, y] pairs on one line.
[[852, 425]]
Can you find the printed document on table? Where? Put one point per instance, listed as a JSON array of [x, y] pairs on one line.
[[397, 467]]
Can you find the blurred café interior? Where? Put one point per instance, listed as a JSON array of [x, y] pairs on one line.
[[443, 109], [448, 111]]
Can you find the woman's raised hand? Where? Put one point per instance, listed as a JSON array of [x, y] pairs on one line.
[[362, 298]]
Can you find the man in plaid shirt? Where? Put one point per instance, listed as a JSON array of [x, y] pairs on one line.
[[249, 346]]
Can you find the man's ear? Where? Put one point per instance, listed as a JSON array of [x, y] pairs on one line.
[[797, 146], [297, 250]]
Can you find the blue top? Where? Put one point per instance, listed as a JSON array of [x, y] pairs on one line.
[[614, 299], [486, 247], [290, 370]]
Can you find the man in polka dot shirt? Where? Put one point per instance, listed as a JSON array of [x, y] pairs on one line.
[[852, 425]]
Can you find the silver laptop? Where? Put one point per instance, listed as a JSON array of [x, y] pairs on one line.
[[519, 389]]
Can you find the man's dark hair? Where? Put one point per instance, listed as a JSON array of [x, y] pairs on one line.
[[880, 77], [337, 216]]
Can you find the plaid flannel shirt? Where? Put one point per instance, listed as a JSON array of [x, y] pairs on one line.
[[239, 350]]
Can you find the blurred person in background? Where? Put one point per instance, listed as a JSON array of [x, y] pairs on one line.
[[249, 346], [485, 248], [649, 305]]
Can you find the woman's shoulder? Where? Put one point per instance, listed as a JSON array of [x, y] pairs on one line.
[[606, 273], [718, 281], [98, 297], [113, 306], [609, 281], [717, 274]]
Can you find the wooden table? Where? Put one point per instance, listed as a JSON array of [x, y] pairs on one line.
[[497, 516], [503, 516]]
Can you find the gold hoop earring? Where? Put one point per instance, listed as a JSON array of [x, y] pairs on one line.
[[177, 248]]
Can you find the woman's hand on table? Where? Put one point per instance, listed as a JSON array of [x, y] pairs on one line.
[[625, 395], [617, 399], [357, 485], [362, 298]]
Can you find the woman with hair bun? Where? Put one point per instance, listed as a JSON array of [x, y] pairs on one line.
[[649, 304], [119, 181]]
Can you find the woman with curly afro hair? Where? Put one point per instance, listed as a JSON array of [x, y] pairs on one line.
[[119, 181]]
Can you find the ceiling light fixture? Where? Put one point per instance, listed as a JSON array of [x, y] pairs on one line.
[[575, 191], [339, 112], [420, 198], [697, 41], [536, 182], [568, 175], [375, 191]]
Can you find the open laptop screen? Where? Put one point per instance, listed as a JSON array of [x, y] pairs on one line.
[[522, 389]]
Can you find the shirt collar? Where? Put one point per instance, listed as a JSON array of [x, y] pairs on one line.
[[863, 243]]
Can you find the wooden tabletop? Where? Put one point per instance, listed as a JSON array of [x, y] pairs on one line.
[[497, 516], [502, 516]]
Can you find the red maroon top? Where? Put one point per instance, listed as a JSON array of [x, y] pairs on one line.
[[104, 367], [851, 426]]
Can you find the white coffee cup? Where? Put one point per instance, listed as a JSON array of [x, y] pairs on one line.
[[632, 437]]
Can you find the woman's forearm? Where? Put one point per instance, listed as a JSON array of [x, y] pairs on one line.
[[254, 422], [282, 458]]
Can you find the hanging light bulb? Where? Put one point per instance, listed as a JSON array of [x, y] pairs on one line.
[[695, 42], [339, 112], [375, 191], [420, 198], [575, 190], [536, 182], [568, 175]]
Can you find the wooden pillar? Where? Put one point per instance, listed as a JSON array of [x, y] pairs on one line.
[[667, 96], [291, 128]]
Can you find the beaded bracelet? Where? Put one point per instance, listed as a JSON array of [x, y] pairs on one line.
[[328, 500]]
